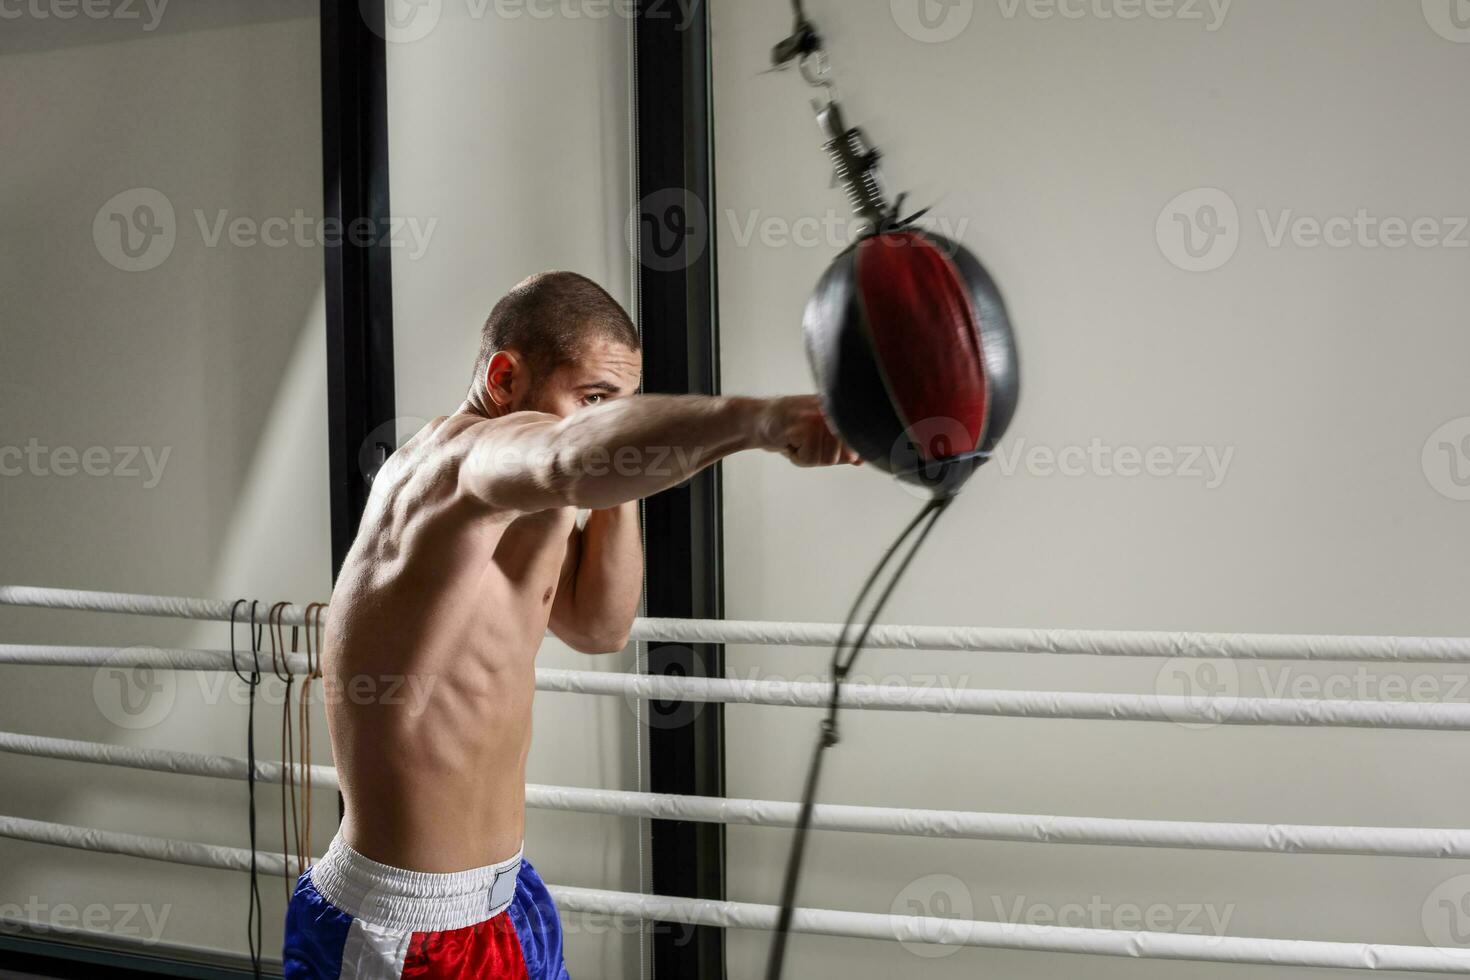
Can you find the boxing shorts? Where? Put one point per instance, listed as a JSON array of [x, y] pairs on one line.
[[352, 918]]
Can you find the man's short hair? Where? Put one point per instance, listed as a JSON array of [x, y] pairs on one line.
[[548, 319]]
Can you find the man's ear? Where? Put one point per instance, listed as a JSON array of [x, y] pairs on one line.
[[504, 378]]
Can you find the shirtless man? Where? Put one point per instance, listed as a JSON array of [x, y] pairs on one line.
[[468, 551]]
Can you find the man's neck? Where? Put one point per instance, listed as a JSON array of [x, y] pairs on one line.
[[476, 403]]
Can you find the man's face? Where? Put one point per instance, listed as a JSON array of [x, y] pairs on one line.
[[605, 370]]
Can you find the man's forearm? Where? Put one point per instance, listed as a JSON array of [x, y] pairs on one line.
[[609, 576]]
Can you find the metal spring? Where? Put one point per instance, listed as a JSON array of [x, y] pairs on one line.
[[861, 183]]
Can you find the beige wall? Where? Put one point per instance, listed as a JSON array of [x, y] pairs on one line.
[[1054, 146], [509, 137], [214, 355]]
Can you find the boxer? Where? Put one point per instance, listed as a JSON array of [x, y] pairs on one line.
[[468, 551]]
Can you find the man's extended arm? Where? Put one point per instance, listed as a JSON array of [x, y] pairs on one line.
[[635, 447]]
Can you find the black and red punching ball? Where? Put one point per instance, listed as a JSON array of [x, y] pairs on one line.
[[909, 339]]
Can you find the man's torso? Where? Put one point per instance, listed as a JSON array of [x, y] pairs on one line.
[[429, 657]]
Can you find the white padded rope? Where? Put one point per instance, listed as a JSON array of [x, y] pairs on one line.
[[159, 658], [1414, 842], [1031, 938], [1066, 705], [158, 760], [830, 922], [1096, 643], [133, 845], [126, 603], [1077, 706], [1102, 643], [1016, 827]]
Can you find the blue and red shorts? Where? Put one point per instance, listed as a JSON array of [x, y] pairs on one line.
[[352, 918]]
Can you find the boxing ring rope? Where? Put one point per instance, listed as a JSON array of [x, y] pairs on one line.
[[1399, 842], [1411, 842], [1104, 643], [1055, 705], [830, 922]]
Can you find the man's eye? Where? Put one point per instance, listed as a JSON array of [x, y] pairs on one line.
[[593, 399]]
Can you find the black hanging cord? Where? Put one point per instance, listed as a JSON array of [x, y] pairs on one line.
[[842, 664], [255, 916]]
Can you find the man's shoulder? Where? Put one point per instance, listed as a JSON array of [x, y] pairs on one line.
[[463, 431]]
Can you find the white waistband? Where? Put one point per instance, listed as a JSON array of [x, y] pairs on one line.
[[413, 901]]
